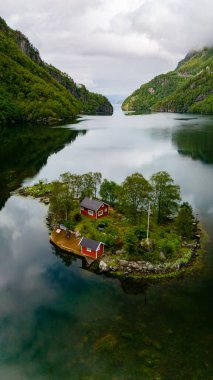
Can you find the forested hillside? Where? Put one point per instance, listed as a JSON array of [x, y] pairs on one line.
[[31, 90], [189, 88]]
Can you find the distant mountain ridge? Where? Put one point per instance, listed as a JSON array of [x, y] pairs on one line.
[[31, 90], [189, 88]]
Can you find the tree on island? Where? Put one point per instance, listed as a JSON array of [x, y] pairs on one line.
[[184, 221], [85, 185], [61, 201], [166, 196], [109, 191], [134, 196], [91, 182], [74, 181]]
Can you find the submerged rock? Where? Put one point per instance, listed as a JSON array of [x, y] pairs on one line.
[[105, 343]]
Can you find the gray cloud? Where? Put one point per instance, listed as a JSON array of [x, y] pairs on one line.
[[112, 47]]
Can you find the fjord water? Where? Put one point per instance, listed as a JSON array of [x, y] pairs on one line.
[[60, 321]]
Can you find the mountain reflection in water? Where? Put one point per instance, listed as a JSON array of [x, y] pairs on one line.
[[25, 150]]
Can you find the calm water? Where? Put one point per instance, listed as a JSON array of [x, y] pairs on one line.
[[60, 321]]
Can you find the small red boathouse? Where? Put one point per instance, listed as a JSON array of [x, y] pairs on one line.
[[91, 248], [94, 209]]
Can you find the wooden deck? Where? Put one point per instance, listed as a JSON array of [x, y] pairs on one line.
[[66, 244]]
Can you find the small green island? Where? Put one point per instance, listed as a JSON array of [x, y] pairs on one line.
[[139, 228]]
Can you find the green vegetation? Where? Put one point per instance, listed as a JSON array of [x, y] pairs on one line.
[[166, 195], [91, 103], [172, 227], [31, 90], [186, 89], [109, 191], [134, 195], [184, 221]]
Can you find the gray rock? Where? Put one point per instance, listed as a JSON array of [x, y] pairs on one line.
[[123, 263], [103, 266], [120, 251], [150, 267], [162, 256], [134, 265], [151, 90]]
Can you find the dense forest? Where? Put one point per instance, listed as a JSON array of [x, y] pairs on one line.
[[186, 89], [31, 90]]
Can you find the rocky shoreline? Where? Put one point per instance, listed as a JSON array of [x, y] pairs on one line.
[[142, 268]]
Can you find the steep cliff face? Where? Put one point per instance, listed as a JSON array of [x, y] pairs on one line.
[[22, 41], [31, 90], [27, 48], [189, 88]]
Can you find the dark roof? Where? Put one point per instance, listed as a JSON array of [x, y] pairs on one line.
[[89, 243], [91, 204]]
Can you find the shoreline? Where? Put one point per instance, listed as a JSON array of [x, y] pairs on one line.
[[188, 267]]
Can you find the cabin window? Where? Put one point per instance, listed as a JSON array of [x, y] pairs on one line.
[[100, 212], [89, 250], [90, 212]]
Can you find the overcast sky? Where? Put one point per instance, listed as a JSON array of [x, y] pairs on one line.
[[112, 46]]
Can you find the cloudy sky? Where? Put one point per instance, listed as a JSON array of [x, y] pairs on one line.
[[112, 46]]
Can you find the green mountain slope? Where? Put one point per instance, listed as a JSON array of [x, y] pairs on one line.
[[31, 90], [189, 88]]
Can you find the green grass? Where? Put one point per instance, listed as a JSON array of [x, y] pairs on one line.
[[38, 190]]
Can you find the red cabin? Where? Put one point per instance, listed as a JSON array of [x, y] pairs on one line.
[[91, 248], [93, 208]]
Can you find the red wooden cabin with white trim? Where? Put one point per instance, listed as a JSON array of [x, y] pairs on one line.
[[91, 248], [94, 209]]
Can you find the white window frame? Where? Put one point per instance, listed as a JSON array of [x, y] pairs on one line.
[[89, 250], [90, 212], [100, 212]]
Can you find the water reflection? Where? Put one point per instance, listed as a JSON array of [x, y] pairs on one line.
[[25, 150], [23, 263], [196, 142], [129, 286]]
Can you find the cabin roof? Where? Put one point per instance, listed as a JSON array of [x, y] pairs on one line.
[[89, 243], [92, 204]]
